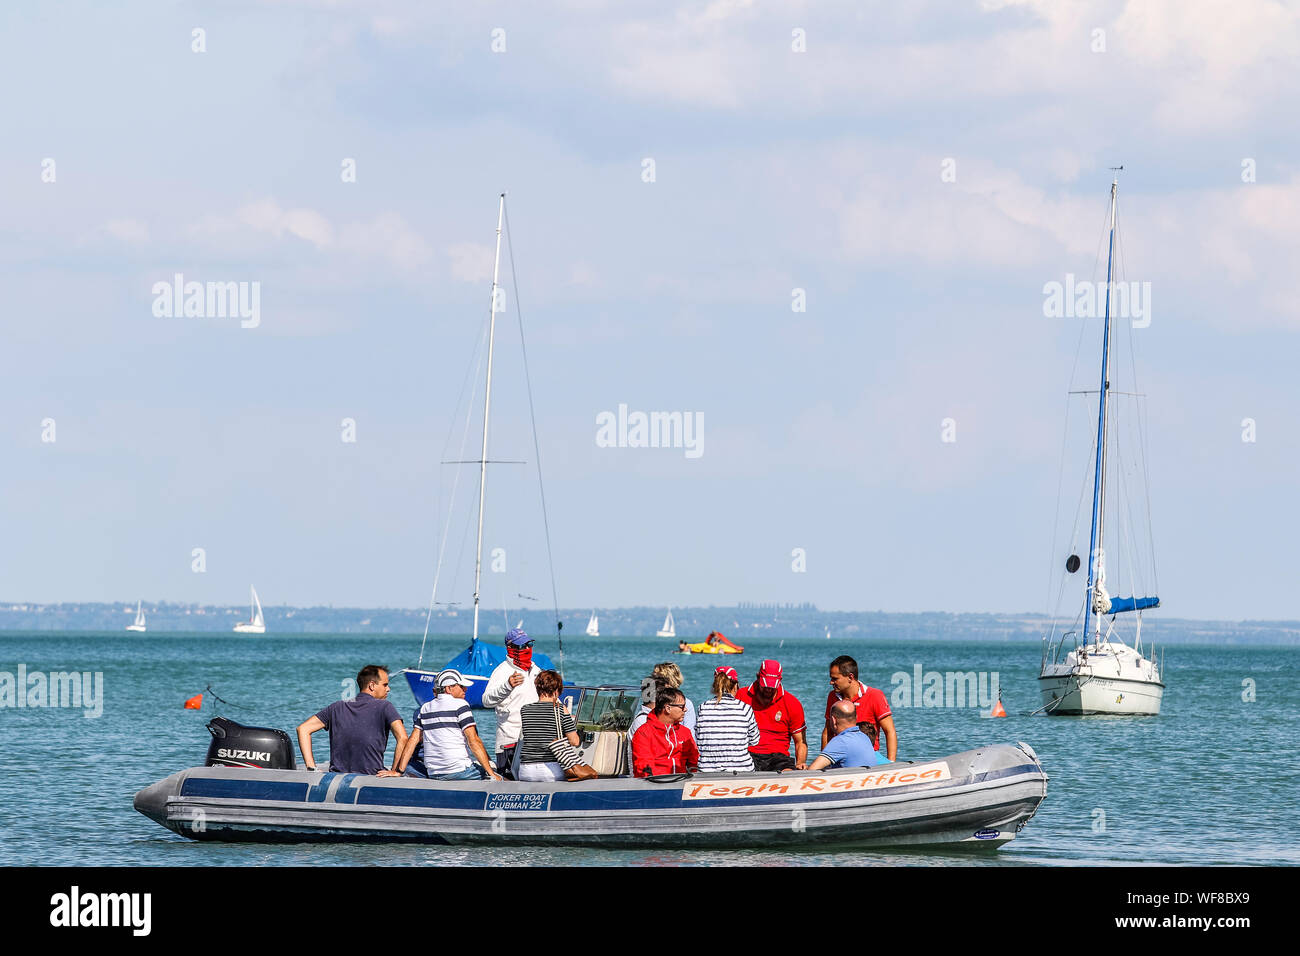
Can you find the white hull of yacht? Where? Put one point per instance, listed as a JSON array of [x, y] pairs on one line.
[[1081, 693], [246, 628], [135, 627]]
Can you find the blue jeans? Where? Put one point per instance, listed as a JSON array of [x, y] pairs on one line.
[[474, 772]]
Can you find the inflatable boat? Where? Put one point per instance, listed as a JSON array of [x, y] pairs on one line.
[[715, 643], [977, 798]]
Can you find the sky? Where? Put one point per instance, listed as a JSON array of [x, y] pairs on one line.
[[679, 177]]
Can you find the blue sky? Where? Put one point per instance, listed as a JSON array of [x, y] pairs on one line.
[[774, 170]]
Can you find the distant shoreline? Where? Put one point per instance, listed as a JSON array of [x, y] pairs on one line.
[[740, 621]]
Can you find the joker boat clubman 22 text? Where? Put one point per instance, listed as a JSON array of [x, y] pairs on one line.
[[978, 798]]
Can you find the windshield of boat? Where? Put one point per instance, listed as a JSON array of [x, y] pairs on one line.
[[608, 709]]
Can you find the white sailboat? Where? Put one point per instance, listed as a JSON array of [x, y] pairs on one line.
[[139, 624], [1087, 668], [593, 626], [255, 624], [670, 626]]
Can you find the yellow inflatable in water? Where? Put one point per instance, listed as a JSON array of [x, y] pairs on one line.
[[715, 643]]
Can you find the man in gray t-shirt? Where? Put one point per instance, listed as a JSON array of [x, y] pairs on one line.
[[358, 728]]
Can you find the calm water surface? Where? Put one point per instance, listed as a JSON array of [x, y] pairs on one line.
[[1212, 780]]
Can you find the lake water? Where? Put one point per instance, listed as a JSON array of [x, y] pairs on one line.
[[1212, 780]]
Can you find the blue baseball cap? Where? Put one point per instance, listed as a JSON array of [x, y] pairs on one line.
[[517, 637]]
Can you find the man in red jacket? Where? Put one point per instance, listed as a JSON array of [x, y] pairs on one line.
[[662, 744]]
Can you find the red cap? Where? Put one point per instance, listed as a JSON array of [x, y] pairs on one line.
[[728, 671], [769, 674]]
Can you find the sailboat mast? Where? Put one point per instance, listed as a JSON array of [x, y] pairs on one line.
[[487, 404], [1096, 546]]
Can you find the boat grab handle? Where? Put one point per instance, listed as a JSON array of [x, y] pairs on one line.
[[667, 777]]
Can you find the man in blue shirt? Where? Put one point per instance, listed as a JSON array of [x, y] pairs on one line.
[[850, 747], [358, 728]]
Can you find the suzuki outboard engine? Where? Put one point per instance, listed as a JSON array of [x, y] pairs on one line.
[[234, 745]]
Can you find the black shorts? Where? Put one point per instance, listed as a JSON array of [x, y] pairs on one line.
[[772, 761]]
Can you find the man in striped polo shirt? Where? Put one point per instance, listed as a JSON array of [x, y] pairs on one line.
[[446, 726]]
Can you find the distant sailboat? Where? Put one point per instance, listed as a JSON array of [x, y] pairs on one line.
[[670, 626], [139, 619], [255, 623], [593, 626]]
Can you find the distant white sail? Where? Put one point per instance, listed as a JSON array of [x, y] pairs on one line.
[[139, 624], [670, 626], [593, 627], [255, 624]]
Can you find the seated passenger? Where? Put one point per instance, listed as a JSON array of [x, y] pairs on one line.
[[542, 722], [358, 728], [850, 747], [446, 726], [726, 728], [662, 744], [643, 714]]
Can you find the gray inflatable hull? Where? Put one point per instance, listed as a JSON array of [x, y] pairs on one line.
[[980, 798]]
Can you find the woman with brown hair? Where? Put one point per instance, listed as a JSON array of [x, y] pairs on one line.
[[725, 728], [543, 722]]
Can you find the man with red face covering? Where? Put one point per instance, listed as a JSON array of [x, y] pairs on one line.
[[509, 687]]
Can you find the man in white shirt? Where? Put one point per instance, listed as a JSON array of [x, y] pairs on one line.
[[509, 687]]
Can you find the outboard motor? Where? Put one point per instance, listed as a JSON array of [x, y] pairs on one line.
[[234, 745]]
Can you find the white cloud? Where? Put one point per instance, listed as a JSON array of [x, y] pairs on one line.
[[390, 237], [267, 216], [470, 261], [128, 230], [387, 236]]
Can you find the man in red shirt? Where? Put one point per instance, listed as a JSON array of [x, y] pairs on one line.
[[780, 720], [662, 744], [874, 715]]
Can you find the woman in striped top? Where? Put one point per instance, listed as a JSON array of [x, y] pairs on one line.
[[540, 723], [725, 728]]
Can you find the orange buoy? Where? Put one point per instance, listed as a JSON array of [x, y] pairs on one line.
[[998, 709], [195, 702]]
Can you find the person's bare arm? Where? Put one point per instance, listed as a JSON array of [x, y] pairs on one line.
[[891, 737], [800, 749], [821, 763], [305, 730], [399, 731], [404, 754], [480, 752]]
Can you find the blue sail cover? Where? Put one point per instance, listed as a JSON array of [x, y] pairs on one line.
[[480, 658], [1119, 605]]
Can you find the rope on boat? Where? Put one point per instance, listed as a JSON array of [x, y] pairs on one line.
[[537, 450], [471, 380], [1057, 702]]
